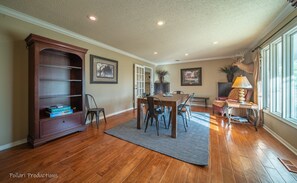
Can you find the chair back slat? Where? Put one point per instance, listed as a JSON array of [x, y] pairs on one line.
[[189, 98], [90, 101], [150, 102]]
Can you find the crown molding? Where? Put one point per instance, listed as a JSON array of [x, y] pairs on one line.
[[281, 16], [35, 21], [195, 60]]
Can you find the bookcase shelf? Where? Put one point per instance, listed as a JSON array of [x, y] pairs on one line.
[[44, 117], [56, 76], [60, 66], [61, 80], [58, 96]]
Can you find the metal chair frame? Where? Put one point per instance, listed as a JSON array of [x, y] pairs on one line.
[[154, 112], [93, 109]]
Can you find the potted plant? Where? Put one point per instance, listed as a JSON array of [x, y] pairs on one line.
[[229, 70], [161, 74]]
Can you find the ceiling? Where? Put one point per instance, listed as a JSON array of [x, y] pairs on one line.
[[191, 26]]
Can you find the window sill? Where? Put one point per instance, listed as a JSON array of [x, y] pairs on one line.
[[290, 123]]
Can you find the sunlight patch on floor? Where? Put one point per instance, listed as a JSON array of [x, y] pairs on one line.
[[205, 121]]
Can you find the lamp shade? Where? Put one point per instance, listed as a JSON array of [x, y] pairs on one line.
[[241, 82]]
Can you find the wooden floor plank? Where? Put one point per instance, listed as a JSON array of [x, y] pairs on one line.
[[239, 178], [181, 175], [237, 153], [275, 176], [121, 169], [286, 175], [140, 168], [169, 175], [228, 176], [193, 174], [160, 169]]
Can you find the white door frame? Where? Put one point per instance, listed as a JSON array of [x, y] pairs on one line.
[[138, 83], [152, 79]]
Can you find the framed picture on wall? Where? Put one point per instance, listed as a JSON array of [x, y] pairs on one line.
[[103, 70], [191, 76]]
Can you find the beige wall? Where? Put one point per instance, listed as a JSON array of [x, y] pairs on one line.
[[14, 77], [283, 131], [210, 77]]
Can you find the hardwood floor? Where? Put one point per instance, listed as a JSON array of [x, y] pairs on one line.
[[237, 154]]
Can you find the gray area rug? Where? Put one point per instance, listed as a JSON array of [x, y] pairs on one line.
[[190, 146]]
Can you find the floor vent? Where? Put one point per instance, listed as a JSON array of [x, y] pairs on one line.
[[289, 165]]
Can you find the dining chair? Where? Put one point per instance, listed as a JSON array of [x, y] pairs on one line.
[[182, 111], [144, 108], [93, 109], [188, 105], [154, 112]]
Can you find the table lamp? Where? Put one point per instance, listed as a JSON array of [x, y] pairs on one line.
[[241, 82]]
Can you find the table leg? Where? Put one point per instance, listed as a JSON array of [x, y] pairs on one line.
[[138, 114], [174, 121], [256, 114], [229, 115]]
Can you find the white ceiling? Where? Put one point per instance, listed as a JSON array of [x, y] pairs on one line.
[[191, 26]]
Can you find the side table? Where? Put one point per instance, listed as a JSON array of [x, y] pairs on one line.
[[249, 106]]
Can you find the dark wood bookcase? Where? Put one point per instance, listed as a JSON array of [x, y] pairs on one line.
[[56, 76]]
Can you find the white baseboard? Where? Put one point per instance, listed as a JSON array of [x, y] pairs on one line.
[[19, 142], [285, 143], [119, 112], [112, 114], [10, 145]]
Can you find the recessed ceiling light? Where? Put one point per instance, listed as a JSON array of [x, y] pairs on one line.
[[91, 17], [160, 23], [186, 54], [155, 53], [215, 42]]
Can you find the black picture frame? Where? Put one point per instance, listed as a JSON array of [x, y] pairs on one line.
[[103, 70], [191, 76]]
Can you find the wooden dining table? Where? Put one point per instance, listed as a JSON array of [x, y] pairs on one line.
[[170, 101]]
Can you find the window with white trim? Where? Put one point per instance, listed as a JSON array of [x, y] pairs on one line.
[[293, 75], [279, 73], [276, 77], [265, 75]]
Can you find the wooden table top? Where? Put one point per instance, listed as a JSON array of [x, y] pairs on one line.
[[246, 105], [173, 98]]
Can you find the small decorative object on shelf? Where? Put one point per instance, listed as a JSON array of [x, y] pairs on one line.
[[230, 71], [58, 110]]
